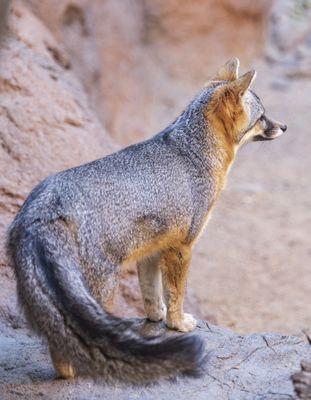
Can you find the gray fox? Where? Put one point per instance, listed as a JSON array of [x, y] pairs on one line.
[[147, 203]]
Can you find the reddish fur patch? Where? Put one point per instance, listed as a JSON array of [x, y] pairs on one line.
[[173, 238], [225, 113], [64, 368], [175, 268]]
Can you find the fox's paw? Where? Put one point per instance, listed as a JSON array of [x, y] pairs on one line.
[[187, 324], [156, 313], [65, 369]]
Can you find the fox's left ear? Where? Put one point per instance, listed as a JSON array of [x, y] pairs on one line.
[[241, 85], [229, 71]]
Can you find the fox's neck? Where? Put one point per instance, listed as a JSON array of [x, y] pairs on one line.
[[209, 158], [206, 148]]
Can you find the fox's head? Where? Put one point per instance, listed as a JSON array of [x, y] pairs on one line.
[[235, 110]]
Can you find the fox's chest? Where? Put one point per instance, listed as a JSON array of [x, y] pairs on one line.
[[204, 201]]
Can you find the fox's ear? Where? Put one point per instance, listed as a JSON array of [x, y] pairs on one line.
[[229, 71], [241, 85]]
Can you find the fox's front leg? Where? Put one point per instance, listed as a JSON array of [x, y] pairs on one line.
[[149, 274], [175, 271]]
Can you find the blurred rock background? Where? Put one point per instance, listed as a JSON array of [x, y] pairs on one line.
[[80, 78]]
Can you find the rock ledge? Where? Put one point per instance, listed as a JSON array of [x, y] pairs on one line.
[[256, 366]]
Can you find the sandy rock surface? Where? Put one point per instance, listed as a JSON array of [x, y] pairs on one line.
[[251, 367], [45, 121]]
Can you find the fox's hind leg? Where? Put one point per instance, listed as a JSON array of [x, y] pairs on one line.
[[175, 271], [101, 274], [149, 274]]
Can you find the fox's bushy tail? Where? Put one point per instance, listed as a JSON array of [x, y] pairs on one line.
[[58, 304]]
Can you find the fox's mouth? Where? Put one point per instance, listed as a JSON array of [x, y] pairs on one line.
[[259, 138], [275, 133]]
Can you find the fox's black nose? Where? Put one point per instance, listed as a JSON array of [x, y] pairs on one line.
[[283, 127]]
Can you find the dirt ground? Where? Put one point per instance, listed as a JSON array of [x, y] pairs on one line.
[[251, 268]]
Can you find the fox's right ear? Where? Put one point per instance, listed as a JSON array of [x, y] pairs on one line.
[[241, 85], [229, 71]]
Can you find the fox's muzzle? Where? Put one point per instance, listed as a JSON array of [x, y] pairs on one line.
[[272, 130]]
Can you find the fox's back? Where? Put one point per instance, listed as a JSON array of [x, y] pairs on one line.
[[130, 196]]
